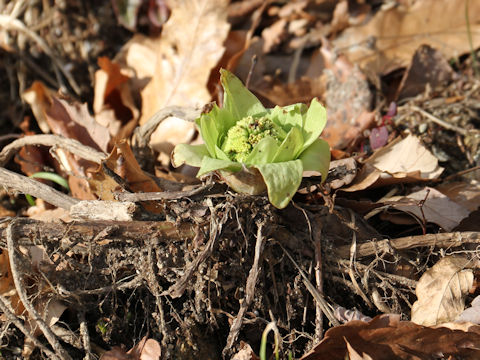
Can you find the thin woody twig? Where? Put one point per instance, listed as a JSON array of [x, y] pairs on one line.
[[250, 291], [440, 122], [351, 272], [73, 146], [317, 239], [85, 335], [50, 336], [144, 132], [26, 185], [164, 195], [389, 245]]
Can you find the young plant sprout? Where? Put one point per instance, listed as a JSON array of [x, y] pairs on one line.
[[253, 148]]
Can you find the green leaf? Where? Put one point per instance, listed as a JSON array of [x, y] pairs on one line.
[[209, 132], [52, 177], [315, 121], [224, 120], [263, 152], [290, 147], [189, 154], [317, 158], [210, 164], [237, 99], [289, 116], [214, 126], [221, 154], [47, 176], [282, 180]]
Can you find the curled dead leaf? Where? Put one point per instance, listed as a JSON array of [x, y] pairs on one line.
[[388, 41], [441, 291]]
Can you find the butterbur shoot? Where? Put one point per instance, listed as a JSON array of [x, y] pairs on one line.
[[246, 133], [243, 137]]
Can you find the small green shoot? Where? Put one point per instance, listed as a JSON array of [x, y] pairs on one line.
[[47, 176], [263, 345], [102, 327]]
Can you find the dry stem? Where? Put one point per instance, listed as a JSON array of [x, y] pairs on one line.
[[71, 145], [249, 292], [444, 240], [30, 186]]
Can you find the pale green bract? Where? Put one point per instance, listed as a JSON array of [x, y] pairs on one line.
[[280, 143]]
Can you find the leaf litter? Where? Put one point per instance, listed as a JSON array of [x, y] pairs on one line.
[[144, 257]]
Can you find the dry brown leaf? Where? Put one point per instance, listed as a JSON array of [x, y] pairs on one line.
[[341, 17], [31, 158], [437, 208], [354, 355], [461, 325], [113, 103], [146, 349], [401, 161], [50, 309], [117, 353], [38, 96], [7, 286], [441, 291], [73, 121], [4, 212], [137, 60], [245, 353], [242, 8], [123, 163], [190, 46], [404, 157], [107, 79], [273, 35], [466, 193], [292, 8], [300, 91], [391, 37], [428, 67], [386, 338]]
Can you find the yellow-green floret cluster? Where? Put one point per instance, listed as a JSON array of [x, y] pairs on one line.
[[246, 133]]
